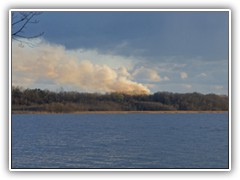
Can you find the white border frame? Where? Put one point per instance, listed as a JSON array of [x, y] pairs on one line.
[[119, 10]]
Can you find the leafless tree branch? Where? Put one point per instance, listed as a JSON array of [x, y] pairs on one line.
[[21, 21]]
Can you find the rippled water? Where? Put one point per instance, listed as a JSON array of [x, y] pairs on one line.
[[120, 141]]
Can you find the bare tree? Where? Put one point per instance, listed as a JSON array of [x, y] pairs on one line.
[[20, 22]]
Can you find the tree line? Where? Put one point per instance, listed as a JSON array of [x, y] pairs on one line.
[[65, 102]]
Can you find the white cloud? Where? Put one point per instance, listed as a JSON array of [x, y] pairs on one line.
[[183, 75], [150, 85], [187, 86], [65, 68], [202, 75], [165, 78], [148, 74], [217, 87], [123, 72], [114, 61]]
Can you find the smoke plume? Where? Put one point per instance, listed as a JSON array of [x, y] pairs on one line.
[[56, 64]]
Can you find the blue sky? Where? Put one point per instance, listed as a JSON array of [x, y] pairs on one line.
[[162, 51]]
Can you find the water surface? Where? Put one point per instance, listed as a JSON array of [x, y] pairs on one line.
[[120, 141]]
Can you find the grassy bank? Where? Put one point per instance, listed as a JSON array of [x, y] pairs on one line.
[[118, 112]]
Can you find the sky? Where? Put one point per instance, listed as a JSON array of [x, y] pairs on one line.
[[135, 52]]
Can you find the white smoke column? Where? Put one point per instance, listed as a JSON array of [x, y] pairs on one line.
[[55, 63]]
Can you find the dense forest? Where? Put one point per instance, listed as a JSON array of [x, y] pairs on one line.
[[65, 102]]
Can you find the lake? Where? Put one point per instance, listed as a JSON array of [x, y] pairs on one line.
[[70, 141]]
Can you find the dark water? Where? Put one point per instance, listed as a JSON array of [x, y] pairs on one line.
[[120, 141]]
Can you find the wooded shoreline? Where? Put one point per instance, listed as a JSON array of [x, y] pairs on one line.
[[32, 101]]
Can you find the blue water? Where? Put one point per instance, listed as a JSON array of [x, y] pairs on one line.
[[120, 141]]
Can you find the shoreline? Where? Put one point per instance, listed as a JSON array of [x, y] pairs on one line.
[[117, 112]]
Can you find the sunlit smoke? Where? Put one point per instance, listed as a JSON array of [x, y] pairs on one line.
[[55, 63]]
